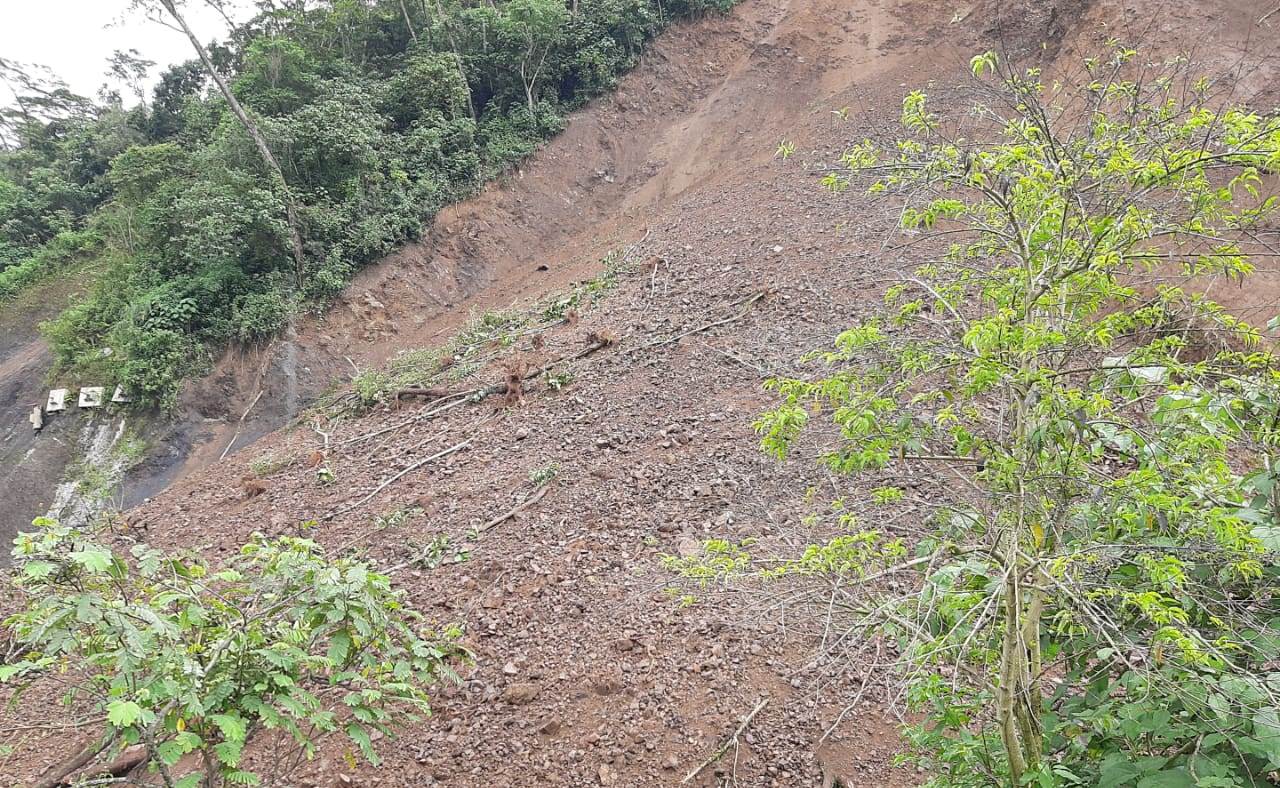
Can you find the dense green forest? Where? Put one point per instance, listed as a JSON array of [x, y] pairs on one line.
[[374, 113]]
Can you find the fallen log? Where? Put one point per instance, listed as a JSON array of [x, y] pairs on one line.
[[513, 511], [422, 391], [125, 762], [55, 774]]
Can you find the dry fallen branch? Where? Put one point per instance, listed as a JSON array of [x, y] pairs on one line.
[[262, 371], [450, 401], [51, 726], [507, 515], [513, 511], [239, 426], [443, 404], [413, 467], [116, 770], [729, 742], [325, 437], [430, 392], [746, 308], [729, 354], [56, 775], [633, 248]]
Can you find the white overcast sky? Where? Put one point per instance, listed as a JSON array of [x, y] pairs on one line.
[[75, 37]]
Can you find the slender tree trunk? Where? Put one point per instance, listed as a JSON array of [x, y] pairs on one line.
[[528, 87], [457, 55], [290, 207], [407, 22], [1007, 688]]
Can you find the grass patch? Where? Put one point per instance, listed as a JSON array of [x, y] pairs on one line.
[[266, 465]]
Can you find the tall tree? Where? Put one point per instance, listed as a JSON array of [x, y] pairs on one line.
[[408, 22], [457, 53], [179, 23], [130, 69], [39, 97], [534, 28]]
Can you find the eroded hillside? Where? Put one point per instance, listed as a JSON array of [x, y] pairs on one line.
[[661, 233]]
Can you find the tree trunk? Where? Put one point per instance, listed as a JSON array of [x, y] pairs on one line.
[[407, 22], [55, 776], [528, 87], [1007, 688], [291, 212], [457, 55], [1018, 688]]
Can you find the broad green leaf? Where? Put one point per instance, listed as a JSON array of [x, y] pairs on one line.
[[38, 570], [228, 752], [123, 713], [361, 737], [1266, 726], [1171, 778], [9, 671], [339, 648], [170, 752], [93, 560]]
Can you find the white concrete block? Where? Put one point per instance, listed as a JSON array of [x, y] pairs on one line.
[[91, 396]]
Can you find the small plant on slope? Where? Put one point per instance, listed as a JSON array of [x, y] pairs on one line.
[[1096, 604], [183, 658]]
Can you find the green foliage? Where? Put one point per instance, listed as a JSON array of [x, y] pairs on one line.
[[556, 381], [268, 465], [184, 657], [543, 476], [1104, 607], [426, 91], [480, 340], [439, 551], [64, 250], [378, 122], [371, 387], [717, 560], [587, 292]]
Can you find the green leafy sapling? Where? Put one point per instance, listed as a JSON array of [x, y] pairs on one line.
[[191, 660], [1095, 603]]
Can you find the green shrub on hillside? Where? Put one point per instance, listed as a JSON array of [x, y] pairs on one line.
[[66, 248], [184, 657]]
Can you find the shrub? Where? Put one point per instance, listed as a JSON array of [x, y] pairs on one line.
[[186, 658], [260, 315], [1100, 592]]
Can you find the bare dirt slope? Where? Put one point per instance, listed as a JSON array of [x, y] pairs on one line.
[[30, 465], [588, 671]]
